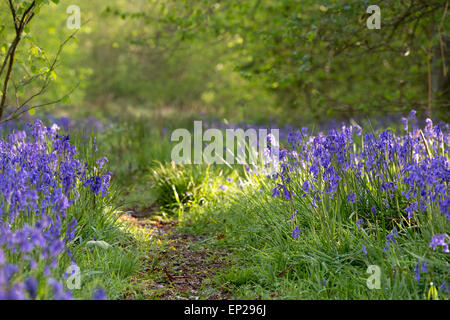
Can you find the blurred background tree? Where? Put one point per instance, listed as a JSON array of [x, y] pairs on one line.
[[319, 57], [24, 65], [251, 60]]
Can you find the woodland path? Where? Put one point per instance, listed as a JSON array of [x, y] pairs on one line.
[[179, 265]]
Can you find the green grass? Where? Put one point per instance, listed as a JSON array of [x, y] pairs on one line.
[[97, 217], [269, 263], [139, 181], [325, 262]]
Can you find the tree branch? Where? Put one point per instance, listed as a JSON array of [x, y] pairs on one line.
[[10, 57]]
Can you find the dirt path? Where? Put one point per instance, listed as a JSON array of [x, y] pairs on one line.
[[179, 266]]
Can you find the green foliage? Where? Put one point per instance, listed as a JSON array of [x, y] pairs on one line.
[[177, 185], [269, 263], [97, 217], [28, 71], [180, 188], [235, 59], [328, 259], [319, 56]]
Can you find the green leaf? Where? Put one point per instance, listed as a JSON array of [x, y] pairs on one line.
[[65, 100]]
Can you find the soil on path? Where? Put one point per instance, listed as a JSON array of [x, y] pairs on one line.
[[179, 266]]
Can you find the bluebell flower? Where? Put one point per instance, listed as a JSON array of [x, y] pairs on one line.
[[445, 287], [294, 214], [357, 129], [305, 186], [2, 257], [296, 232], [410, 209], [31, 286], [101, 162], [390, 238], [351, 197], [439, 240], [99, 294], [417, 275], [423, 267], [359, 222], [405, 123]]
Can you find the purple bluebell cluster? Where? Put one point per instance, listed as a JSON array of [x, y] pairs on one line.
[[40, 178], [423, 269], [440, 240], [388, 178], [67, 124], [416, 163]]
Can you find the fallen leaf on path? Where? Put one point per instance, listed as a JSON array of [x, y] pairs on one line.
[[285, 271], [171, 278]]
